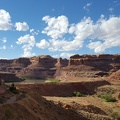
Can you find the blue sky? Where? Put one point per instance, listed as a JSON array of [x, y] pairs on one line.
[[59, 28]]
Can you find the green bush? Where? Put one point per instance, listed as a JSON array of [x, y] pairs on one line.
[[107, 98], [78, 94], [115, 115], [13, 89]]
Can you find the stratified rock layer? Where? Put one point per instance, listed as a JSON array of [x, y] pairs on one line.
[[89, 66], [45, 66]]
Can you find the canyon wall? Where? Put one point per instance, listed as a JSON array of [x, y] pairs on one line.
[[45, 66], [90, 66]]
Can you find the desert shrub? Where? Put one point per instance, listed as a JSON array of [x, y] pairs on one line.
[[107, 97], [115, 115], [110, 91], [13, 89], [77, 94], [106, 94]]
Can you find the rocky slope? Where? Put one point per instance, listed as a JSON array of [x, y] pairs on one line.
[[115, 76], [28, 104], [32, 106], [64, 89]]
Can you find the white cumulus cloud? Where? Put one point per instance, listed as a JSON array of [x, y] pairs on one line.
[[5, 20], [21, 26], [64, 45], [43, 44], [104, 34], [28, 43], [66, 55], [56, 26], [108, 32], [80, 31]]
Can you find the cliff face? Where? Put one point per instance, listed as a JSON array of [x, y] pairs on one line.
[[93, 59], [42, 67], [89, 66], [45, 66], [21, 62], [103, 62]]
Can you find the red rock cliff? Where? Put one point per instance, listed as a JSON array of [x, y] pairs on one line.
[[102, 62]]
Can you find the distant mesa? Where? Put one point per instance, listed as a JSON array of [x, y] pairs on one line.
[[45, 66]]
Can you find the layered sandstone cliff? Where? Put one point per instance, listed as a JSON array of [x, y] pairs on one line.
[[45, 66], [104, 62], [90, 66]]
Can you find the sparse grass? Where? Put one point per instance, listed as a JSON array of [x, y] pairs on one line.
[[30, 78], [115, 115], [107, 97], [107, 94], [78, 94], [53, 80]]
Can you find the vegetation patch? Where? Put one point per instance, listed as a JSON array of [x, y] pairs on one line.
[[30, 78], [52, 80], [115, 115], [107, 97], [78, 94], [13, 89]]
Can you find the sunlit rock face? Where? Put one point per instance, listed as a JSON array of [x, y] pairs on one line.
[[45, 66], [104, 62]]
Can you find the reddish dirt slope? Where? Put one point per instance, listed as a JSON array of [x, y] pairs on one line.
[[115, 76], [34, 107], [64, 89]]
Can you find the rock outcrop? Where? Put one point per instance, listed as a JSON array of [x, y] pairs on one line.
[[115, 76], [103, 62], [9, 77], [90, 66], [21, 62], [43, 66]]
